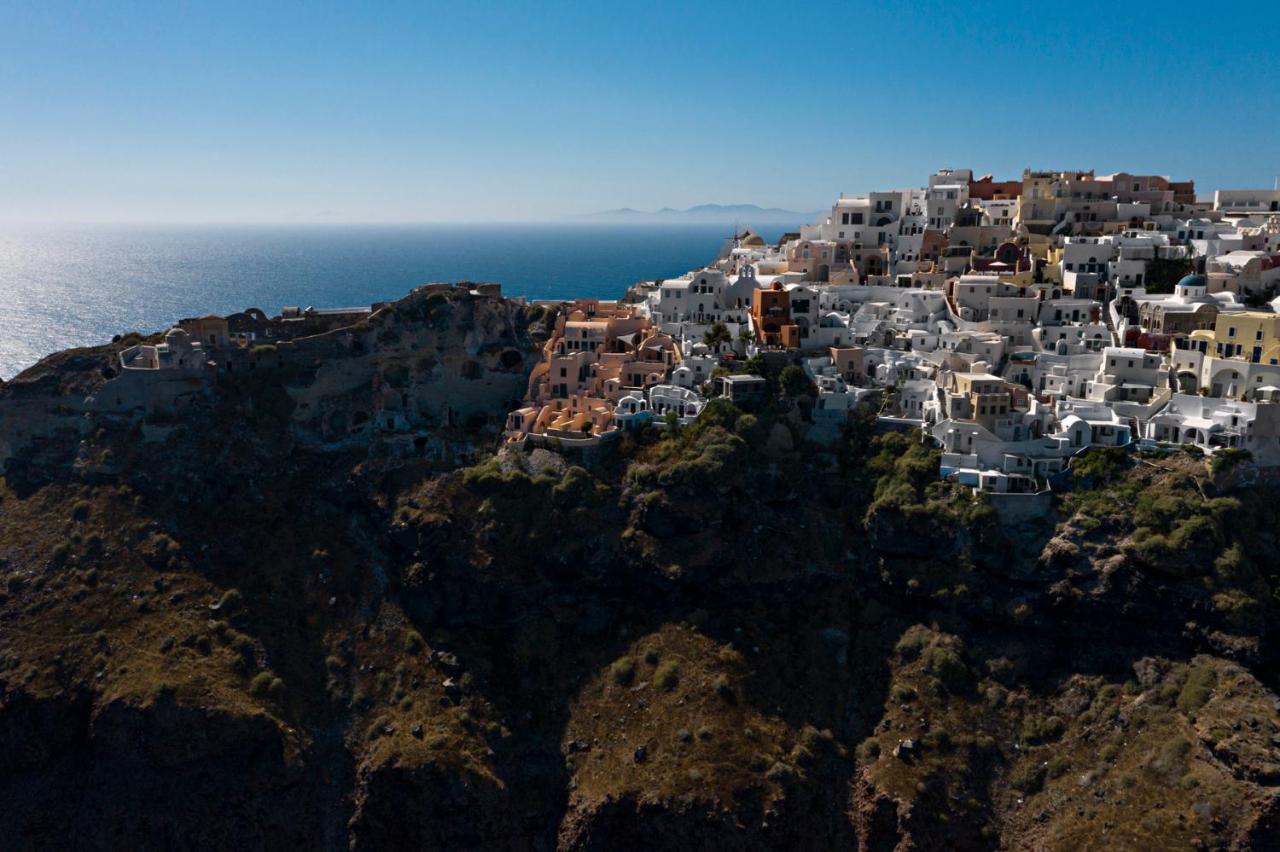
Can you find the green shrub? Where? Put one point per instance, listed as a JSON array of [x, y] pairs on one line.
[[1100, 464], [1227, 458], [623, 670], [902, 693], [945, 664], [667, 676], [1028, 777], [912, 642], [794, 381], [380, 726], [266, 685], [908, 494], [1171, 761], [1037, 730], [230, 601], [936, 739], [1230, 566], [780, 773], [717, 334], [239, 642], [748, 429], [1197, 689], [1241, 611]]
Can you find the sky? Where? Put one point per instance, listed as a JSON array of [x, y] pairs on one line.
[[278, 112]]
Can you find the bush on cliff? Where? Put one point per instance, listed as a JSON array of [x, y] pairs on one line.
[[1100, 465], [517, 509], [910, 503]]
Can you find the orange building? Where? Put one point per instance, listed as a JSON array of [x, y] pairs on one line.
[[989, 189], [771, 316]]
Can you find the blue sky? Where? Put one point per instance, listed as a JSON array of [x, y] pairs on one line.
[[381, 112]]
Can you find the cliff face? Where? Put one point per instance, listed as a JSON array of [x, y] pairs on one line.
[[276, 624], [419, 377], [434, 361]]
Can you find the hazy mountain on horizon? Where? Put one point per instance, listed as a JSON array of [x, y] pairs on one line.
[[745, 214]]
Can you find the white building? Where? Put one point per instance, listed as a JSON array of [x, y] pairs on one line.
[[1216, 424]]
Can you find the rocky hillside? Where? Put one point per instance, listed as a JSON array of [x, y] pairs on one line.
[[262, 627]]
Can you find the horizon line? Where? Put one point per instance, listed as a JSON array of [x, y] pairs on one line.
[[577, 219]]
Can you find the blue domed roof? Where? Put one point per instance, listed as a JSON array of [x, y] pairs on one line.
[[1192, 281]]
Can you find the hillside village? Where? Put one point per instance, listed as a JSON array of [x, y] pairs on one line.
[[1016, 322], [1013, 324], [885, 599]]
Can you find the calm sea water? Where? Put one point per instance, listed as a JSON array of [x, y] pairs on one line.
[[79, 286]]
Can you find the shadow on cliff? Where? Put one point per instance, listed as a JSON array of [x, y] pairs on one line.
[[539, 641]]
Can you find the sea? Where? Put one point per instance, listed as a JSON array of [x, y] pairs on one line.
[[78, 286]]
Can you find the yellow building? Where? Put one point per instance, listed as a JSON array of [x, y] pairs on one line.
[[1252, 336], [980, 397]]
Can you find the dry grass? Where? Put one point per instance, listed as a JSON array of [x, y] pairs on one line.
[[403, 713], [686, 709], [1145, 774]]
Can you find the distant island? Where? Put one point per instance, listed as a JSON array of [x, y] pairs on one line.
[[702, 214]]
